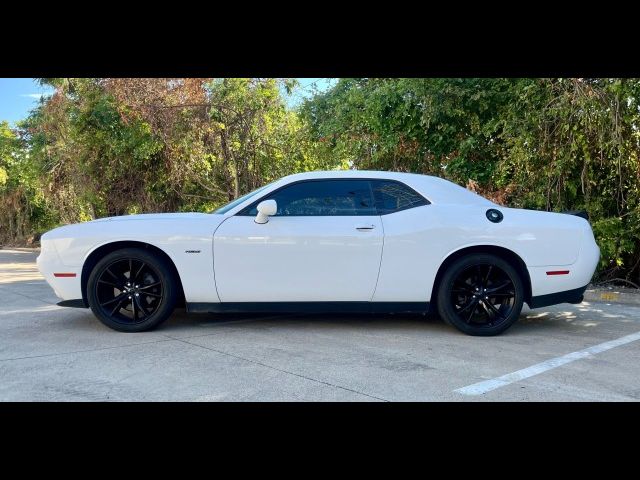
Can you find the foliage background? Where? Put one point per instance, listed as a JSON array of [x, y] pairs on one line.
[[112, 146]]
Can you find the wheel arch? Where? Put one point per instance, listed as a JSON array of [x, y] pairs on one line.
[[94, 257], [510, 256]]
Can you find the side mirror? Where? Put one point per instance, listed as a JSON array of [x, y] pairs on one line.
[[266, 209]]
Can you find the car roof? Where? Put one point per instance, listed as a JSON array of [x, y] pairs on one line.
[[349, 174], [435, 189]]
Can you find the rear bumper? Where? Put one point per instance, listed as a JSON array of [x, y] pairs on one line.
[[552, 284], [568, 296]]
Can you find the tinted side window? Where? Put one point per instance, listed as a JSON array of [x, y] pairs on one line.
[[393, 196], [322, 198]]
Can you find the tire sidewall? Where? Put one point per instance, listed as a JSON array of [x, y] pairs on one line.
[[446, 309], [167, 303]]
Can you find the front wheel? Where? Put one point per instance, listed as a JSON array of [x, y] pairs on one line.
[[481, 294], [132, 290]]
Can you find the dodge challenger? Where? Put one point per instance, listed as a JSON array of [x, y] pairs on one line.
[[339, 241]]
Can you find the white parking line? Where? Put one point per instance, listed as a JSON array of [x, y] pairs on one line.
[[488, 385]]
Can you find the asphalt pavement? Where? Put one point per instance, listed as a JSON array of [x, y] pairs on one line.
[[585, 352]]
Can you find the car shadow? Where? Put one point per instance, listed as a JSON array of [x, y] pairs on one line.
[[181, 320]]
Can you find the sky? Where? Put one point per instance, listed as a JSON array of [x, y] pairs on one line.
[[307, 87], [19, 95]]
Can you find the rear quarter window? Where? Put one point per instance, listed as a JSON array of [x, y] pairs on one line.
[[392, 196]]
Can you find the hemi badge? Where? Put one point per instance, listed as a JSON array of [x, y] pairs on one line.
[[64, 275], [558, 272]]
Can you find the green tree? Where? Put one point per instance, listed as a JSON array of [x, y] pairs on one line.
[[110, 146], [553, 144], [23, 209], [107, 146]]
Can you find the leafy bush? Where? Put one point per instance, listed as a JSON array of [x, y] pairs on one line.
[[109, 146]]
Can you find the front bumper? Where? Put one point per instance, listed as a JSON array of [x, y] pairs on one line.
[[77, 303], [65, 280]]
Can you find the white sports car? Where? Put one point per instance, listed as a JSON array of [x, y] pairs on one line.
[[327, 241]]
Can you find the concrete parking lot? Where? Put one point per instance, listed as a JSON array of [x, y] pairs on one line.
[[586, 352]]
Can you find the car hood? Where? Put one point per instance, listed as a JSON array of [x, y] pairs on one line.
[[152, 216], [137, 225]]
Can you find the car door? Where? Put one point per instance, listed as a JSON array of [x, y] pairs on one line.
[[323, 245]]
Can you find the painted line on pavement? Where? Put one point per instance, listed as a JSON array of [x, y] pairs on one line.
[[483, 387]]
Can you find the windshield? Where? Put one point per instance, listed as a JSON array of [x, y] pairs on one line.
[[239, 200]]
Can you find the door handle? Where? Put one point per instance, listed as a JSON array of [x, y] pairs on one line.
[[365, 228]]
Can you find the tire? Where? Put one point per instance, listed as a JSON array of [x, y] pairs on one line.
[[118, 277], [463, 286]]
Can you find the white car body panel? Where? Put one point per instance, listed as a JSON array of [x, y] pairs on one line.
[[298, 259], [174, 234], [418, 240], [326, 259]]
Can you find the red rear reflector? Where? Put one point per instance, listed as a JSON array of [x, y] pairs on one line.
[[558, 272], [64, 274]]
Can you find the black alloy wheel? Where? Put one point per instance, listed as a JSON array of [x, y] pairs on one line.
[[132, 290], [481, 294]]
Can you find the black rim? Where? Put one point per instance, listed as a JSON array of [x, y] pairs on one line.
[[129, 291], [483, 295]]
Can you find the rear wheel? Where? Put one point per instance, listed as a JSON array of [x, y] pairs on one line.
[[131, 290], [481, 294]]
